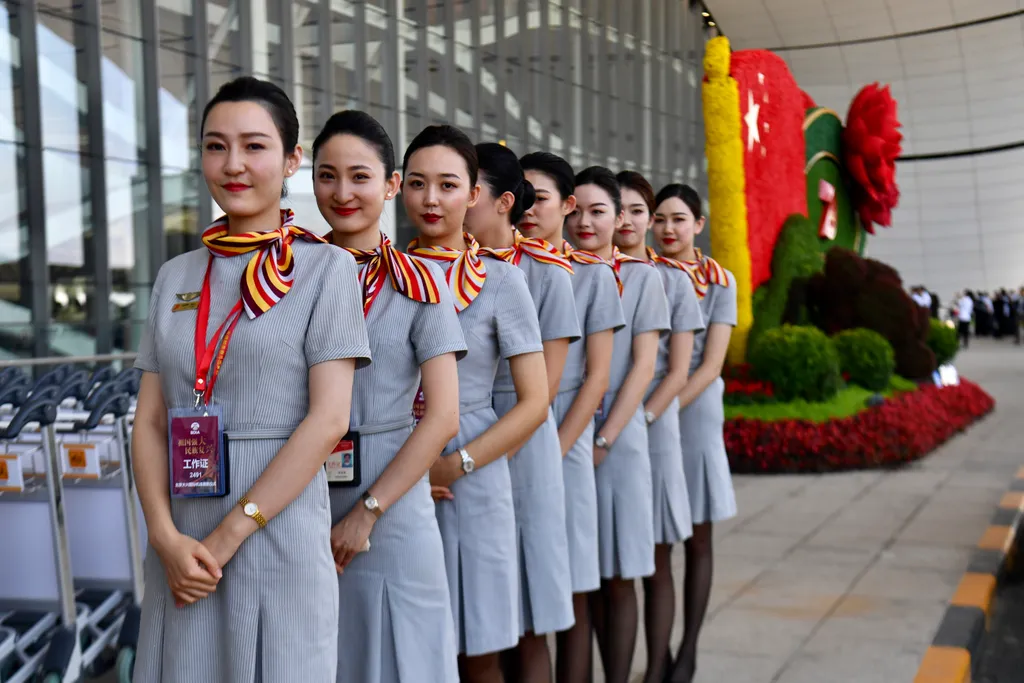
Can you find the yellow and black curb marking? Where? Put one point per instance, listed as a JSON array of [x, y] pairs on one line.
[[949, 658]]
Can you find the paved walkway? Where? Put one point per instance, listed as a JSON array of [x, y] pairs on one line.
[[845, 577]]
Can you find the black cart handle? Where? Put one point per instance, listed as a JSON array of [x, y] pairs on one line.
[[50, 392], [43, 411], [116, 405], [11, 374], [77, 389], [101, 375], [15, 394]]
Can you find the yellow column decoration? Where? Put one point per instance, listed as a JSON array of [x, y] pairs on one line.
[[727, 192]]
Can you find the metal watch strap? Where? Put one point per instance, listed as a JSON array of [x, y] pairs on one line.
[[257, 516]]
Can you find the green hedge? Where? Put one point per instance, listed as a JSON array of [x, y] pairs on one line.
[[800, 363], [942, 340], [867, 357]]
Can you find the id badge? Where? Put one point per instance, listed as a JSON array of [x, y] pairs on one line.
[[419, 406], [198, 450], [343, 464], [599, 415]]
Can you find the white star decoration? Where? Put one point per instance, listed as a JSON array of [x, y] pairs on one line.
[[750, 118]]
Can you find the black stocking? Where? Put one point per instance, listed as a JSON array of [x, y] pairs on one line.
[[534, 660], [620, 617], [574, 645], [659, 612], [482, 668], [696, 592]]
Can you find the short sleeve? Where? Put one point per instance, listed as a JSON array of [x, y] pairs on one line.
[[686, 315], [556, 306], [435, 328], [724, 308], [652, 313], [604, 305], [147, 359], [515, 316], [336, 327]]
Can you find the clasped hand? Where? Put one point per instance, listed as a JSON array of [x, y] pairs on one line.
[[194, 568]]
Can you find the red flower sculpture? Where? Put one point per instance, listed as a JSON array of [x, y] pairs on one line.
[[871, 144]]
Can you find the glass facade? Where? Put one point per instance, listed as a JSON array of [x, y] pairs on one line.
[[100, 105]]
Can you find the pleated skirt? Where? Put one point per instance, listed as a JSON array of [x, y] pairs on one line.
[[708, 479]]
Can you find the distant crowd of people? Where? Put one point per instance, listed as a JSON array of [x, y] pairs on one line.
[[994, 315]]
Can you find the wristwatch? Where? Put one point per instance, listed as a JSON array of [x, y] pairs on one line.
[[468, 464], [649, 417], [371, 504], [252, 511], [601, 442]]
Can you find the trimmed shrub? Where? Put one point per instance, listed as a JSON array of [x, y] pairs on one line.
[[942, 341], [855, 292], [799, 362], [866, 357]]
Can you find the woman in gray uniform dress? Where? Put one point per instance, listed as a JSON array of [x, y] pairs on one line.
[[536, 469], [471, 480], [624, 495], [678, 218], [284, 387], [395, 621], [580, 391], [672, 522]]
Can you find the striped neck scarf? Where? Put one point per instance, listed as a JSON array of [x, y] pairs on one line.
[[407, 275], [580, 256], [466, 272], [271, 270], [665, 261], [705, 271], [537, 249]]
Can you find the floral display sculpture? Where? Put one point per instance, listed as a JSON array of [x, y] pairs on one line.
[[871, 145]]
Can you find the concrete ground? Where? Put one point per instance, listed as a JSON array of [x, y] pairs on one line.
[[845, 577]]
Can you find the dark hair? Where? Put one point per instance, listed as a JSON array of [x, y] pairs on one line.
[[500, 169], [450, 137], [684, 192], [364, 127], [554, 167], [603, 178], [631, 180], [268, 96]]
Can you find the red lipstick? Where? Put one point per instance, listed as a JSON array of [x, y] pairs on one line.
[[344, 210], [431, 217], [236, 187]]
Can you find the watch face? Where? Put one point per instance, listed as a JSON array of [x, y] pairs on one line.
[[468, 465], [250, 509], [370, 503]]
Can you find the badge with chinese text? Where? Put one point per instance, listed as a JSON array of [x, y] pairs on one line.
[[343, 463], [197, 452]]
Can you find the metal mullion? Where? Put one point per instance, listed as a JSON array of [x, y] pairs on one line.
[[361, 89], [587, 104], [545, 76], [566, 95], [449, 74], [201, 44], [422, 58], [152, 156], [475, 89], [246, 45], [325, 72], [87, 27], [607, 92], [287, 43], [661, 87], [391, 73], [500, 66], [527, 102], [35, 201]]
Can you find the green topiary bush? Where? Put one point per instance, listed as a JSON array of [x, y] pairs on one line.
[[800, 363], [942, 341], [867, 357]]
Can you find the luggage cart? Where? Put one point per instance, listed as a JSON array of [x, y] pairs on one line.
[[37, 601]]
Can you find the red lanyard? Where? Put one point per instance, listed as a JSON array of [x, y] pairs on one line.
[[207, 353]]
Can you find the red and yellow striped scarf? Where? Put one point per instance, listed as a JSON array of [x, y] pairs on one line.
[[705, 271], [271, 270], [665, 260], [580, 256], [408, 276], [537, 249], [466, 273]]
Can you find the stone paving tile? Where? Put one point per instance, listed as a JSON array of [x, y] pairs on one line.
[[896, 583], [729, 667], [757, 632], [874, 664], [867, 617]]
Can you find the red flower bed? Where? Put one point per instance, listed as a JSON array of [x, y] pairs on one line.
[[742, 389], [901, 429]]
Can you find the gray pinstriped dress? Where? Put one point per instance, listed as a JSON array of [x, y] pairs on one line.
[[395, 619], [625, 512], [598, 308], [708, 479], [274, 616], [672, 522], [536, 470], [478, 527]]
